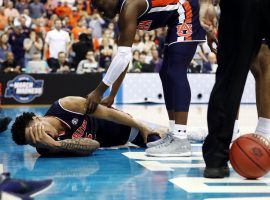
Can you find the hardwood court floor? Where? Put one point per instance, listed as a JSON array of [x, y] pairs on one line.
[[126, 173]]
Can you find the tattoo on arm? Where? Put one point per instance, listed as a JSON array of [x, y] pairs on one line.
[[81, 146], [71, 147]]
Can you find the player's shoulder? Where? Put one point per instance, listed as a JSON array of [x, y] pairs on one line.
[[73, 103], [133, 5]]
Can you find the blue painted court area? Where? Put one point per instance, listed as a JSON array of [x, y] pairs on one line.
[[123, 174]]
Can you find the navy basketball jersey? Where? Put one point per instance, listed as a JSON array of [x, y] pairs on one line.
[[78, 125], [107, 133], [180, 16]]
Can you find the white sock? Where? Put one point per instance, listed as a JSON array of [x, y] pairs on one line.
[[171, 125], [179, 131], [263, 127], [235, 128]]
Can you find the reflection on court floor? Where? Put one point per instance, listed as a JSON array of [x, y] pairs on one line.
[[126, 173]]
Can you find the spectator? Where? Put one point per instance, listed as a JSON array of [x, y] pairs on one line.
[[210, 66], [137, 44], [4, 47], [62, 66], [56, 41], [113, 32], [106, 52], [194, 67], [51, 4], [107, 34], [10, 11], [51, 21], [36, 65], [70, 3], [201, 53], [32, 45], [65, 25], [156, 61], [16, 39], [89, 65], [145, 66], [148, 44], [136, 65], [96, 24], [36, 9], [74, 17], [23, 20], [3, 19], [41, 27], [21, 5], [79, 29], [10, 65], [80, 48], [160, 40], [63, 10]]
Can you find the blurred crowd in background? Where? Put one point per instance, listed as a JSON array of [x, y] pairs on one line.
[[52, 36]]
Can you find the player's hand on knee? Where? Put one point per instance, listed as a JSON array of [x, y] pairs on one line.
[[108, 101], [92, 101]]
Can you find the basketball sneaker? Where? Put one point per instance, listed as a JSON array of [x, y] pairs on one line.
[[11, 196], [196, 135], [171, 148], [163, 140], [22, 187], [4, 122]]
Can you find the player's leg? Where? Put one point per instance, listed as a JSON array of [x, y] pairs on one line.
[[109, 134], [180, 56], [167, 89], [178, 60], [236, 50], [261, 72]]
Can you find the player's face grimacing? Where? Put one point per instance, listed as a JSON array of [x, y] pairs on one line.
[[105, 8], [37, 127]]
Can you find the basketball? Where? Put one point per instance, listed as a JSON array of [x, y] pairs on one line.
[[250, 156]]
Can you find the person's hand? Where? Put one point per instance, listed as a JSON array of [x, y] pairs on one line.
[[108, 101], [212, 42], [92, 101], [149, 131], [208, 17], [39, 138]]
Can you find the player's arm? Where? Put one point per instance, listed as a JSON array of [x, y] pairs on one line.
[[109, 100], [78, 104], [128, 27], [69, 147], [47, 146]]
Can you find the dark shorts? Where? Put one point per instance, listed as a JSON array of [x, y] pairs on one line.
[[186, 27], [112, 134]]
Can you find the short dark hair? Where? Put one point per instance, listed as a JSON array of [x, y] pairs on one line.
[[18, 128]]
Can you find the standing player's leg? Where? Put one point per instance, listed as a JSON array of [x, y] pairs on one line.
[[167, 89], [236, 50], [261, 72], [180, 56], [177, 98]]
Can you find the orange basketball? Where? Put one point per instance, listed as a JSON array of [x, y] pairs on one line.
[[250, 156]]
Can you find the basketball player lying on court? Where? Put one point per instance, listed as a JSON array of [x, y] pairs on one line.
[[66, 129]]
